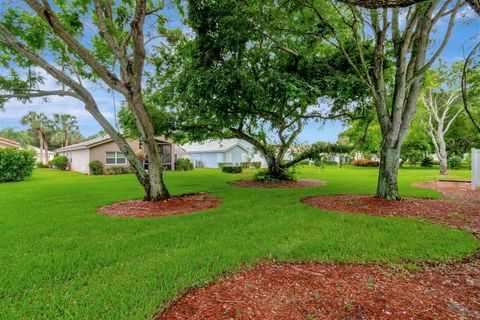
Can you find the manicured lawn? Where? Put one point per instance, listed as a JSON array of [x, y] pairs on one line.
[[61, 260]]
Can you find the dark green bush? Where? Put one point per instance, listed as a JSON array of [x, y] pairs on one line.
[[454, 162], [96, 167], [289, 174], [427, 162], [264, 176], [42, 165], [183, 164], [232, 169], [16, 165], [60, 162]]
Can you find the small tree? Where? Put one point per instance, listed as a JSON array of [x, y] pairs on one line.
[[441, 102], [66, 125]]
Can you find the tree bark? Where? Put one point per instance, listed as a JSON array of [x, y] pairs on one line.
[[387, 186], [41, 144]]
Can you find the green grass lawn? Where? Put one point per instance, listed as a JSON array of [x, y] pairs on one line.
[[61, 260]]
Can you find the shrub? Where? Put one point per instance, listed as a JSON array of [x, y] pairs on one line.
[[427, 162], [42, 165], [468, 161], [223, 164], [96, 167], [454, 162], [232, 169], [60, 162], [117, 170], [16, 165], [365, 163], [256, 164], [289, 174], [264, 176], [183, 164]]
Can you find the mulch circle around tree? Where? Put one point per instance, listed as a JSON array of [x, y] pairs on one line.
[[301, 183], [182, 204], [461, 209], [312, 290]]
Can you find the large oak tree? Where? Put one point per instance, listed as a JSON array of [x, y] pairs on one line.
[[83, 42], [400, 35]]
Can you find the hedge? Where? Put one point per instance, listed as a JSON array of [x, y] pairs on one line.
[[365, 163], [16, 165], [232, 169]]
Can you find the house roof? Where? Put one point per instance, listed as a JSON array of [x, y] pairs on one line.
[[213, 146], [37, 149], [10, 142], [92, 143], [86, 144]]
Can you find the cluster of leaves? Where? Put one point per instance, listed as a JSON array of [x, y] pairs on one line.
[[16, 165]]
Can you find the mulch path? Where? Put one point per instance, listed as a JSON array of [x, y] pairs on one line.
[[186, 203], [301, 183], [312, 290]]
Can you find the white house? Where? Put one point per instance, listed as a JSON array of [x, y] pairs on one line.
[[209, 154], [40, 155]]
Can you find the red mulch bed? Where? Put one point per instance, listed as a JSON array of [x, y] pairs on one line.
[[290, 291], [302, 183], [186, 203], [445, 212], [308, 291]]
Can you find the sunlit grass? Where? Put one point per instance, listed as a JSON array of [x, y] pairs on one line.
[[61, 260]]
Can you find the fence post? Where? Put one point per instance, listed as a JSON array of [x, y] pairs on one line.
[[475, 168]]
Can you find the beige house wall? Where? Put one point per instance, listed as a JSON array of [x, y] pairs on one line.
[[100, 152]]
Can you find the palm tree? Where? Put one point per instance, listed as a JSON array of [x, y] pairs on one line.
[[67, 125], [39, 123]]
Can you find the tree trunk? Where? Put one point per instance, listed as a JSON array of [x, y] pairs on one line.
[[155, 189], [387, 187], [65, 138], [442, 157], [41, 144], [45, 148]]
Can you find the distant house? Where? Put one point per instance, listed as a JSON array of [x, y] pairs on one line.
[[105, 150], [6, 143], [38, 153], [209, 154]]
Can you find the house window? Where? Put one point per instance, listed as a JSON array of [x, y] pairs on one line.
[[115, 158]]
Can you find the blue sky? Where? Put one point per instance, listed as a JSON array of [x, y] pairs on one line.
[[465, 30]]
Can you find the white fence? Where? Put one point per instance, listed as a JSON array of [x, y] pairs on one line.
[[475, 169]]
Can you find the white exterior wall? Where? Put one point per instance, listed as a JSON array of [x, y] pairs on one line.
[[236, 155], [79, 160], [475, 169], [207, 159]]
